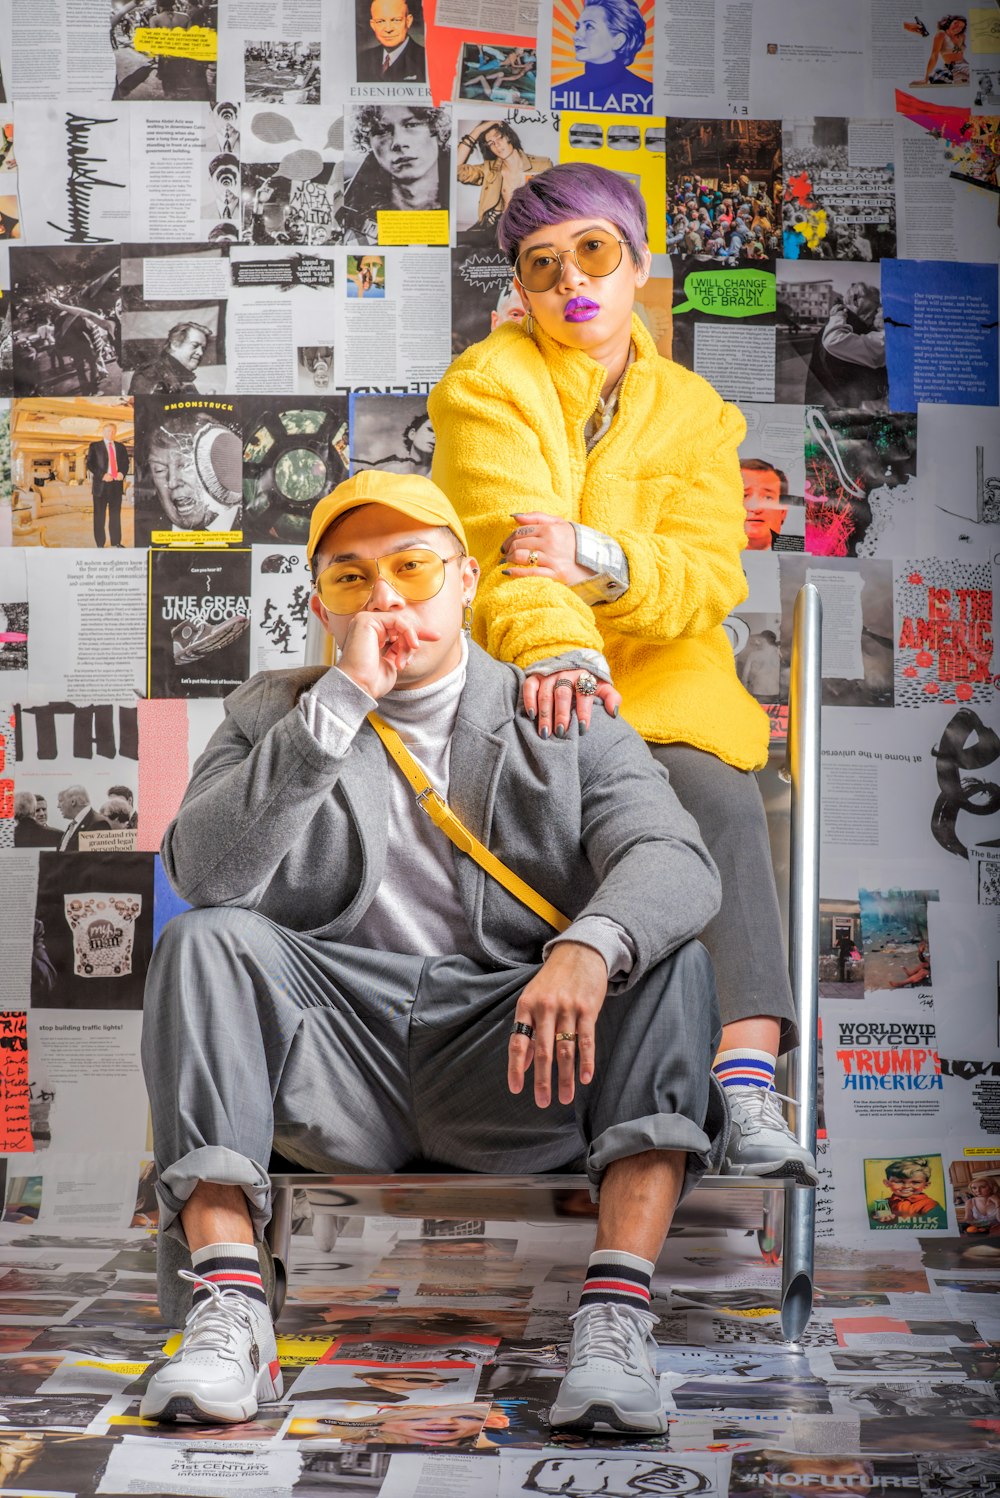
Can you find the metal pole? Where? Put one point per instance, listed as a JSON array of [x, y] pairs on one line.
[[805, 696], [278, 1241]]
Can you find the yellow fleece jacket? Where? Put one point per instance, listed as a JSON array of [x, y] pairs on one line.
[[665, 482]]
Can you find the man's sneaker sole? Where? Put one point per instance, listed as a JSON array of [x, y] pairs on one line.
[[766, 1170], [180, 1406], [608, 1416]]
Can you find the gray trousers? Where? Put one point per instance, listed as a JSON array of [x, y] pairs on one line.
[[744, 940], [350, 1060]]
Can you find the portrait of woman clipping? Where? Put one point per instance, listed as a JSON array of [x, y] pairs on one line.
[[505, 166], [947, 62], [600, 489]]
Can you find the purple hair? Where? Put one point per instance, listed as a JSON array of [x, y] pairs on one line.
[[574, 190]]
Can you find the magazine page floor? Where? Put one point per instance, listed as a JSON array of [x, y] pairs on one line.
[[420, 1358]]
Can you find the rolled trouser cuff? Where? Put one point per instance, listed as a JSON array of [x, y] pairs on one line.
[[704, 1148], [220, 1167]]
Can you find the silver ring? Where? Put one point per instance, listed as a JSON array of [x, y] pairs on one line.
[[586, 684], [564, 681]]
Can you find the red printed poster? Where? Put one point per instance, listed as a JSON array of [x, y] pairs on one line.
[[944, 625], [15, 1124]]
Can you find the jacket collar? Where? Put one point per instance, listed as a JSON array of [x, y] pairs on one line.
[[485, 703], [578, 378], [488, 701], [478, 751]]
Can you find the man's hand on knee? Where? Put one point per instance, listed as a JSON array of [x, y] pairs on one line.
[[563, 1000]]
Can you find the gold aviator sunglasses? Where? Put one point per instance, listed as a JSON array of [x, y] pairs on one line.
[[416, 574], [596, 253]]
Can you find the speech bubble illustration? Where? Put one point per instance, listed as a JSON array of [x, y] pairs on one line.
[[335, 135], [729, 293], [300, 166], [272, 127]]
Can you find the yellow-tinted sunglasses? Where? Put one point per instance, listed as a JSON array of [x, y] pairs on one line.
[[416, 574]]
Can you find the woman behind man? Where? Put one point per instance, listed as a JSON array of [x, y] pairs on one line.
[[600, 488]]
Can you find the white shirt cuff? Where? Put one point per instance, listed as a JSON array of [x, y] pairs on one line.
[[607, 938], [334, 711]]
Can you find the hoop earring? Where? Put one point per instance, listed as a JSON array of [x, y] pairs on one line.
[[528, 324], [467, 620]]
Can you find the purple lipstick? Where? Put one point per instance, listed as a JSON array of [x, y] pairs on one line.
[[580, 309]]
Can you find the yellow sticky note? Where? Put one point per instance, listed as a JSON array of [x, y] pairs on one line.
[[172, 1344], [200, 43], [302, 1349], [984, 29], [131, 1420], [132, 1370], [192, 540], [427, 227]]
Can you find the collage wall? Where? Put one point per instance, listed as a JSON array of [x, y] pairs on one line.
[[238, 245]]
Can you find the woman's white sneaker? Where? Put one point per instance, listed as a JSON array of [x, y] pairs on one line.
[[226, 1365], [611, 1381]]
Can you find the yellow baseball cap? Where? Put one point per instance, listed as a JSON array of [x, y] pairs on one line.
[[409, 493]]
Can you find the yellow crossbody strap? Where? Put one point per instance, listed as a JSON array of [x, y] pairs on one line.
[[442, 816]]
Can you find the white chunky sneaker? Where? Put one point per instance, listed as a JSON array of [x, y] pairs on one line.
[[225, 1366], [610, 1381], [760, 1141]]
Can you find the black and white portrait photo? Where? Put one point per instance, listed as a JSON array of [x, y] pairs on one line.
[[172, 345], [396, 158], [391, 432]]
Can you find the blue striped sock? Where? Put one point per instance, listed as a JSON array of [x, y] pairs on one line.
[[745, 1068]]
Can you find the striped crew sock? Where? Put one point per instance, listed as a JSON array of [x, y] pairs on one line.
[[231, 1266], [617, 1278], [745, 1068]]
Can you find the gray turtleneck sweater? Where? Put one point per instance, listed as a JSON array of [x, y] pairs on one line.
[[417, 909]]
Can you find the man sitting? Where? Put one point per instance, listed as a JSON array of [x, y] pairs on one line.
[[359, 994]]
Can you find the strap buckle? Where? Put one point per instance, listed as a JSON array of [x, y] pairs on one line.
[[430, 802]]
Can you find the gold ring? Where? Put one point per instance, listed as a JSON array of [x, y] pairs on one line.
[[565, 1035], [532, 558]]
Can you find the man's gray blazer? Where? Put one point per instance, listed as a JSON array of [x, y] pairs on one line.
[[273, 822]]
